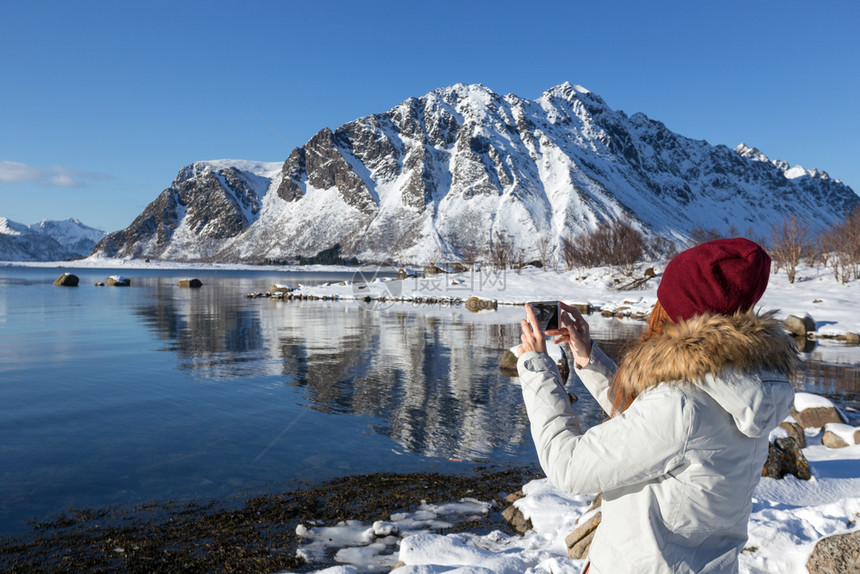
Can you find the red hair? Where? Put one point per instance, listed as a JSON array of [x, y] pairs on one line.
[[620, 397]]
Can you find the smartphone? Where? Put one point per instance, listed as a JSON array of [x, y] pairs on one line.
[[548, 314]]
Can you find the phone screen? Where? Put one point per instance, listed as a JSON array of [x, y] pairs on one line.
[[547, 314]]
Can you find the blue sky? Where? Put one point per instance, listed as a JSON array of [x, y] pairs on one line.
[[102, 102]]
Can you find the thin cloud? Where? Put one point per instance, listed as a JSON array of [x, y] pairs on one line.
[[63, 180], [13, 171], [57, 176]]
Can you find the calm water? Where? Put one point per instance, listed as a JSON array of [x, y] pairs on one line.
[[117, 396]]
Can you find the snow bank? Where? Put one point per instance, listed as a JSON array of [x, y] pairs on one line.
[[789, 517], [804, 401], [372, 547]]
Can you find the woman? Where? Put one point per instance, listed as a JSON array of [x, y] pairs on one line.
[[691, 408]]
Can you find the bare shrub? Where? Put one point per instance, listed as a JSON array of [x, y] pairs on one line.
[[841, 243], [790, 242], [501, 250], [544, 247], [519, 259], [818, 255], [627, 245], [699, 235], [662, 247], [569, 251], [617, 243], [851, 240]]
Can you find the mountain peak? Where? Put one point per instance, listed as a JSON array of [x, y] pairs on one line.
[[441, 176], [752, 153], [789, 172]]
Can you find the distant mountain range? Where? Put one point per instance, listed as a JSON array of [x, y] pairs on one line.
[[436, 177], [47, 240]]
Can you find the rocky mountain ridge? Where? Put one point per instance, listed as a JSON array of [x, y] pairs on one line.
[[48, 240], [437, 177]]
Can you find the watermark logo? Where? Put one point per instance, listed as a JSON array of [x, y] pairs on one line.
[[374, 285], [469, 282], [377, 287]]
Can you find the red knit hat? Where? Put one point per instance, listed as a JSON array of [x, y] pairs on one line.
[[721, 276]]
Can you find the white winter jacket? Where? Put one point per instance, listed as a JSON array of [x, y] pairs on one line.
[[678, 468]]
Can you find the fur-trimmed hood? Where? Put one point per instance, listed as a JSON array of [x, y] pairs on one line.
[[708, 345], [717, 353]]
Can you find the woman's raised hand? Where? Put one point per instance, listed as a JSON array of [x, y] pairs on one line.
[[575, 332], [533, 338]]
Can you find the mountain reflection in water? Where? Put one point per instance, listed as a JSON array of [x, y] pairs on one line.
[[428, 375]]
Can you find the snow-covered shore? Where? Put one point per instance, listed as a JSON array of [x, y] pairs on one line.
[[833, 305], [789, 516]]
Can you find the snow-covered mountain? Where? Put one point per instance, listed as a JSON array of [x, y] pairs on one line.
[[436, 177], [47, 240]]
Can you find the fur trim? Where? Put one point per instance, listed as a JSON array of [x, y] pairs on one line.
[[708, 344]]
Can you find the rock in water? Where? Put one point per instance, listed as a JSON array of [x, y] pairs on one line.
[[508, 363], [190, 283], [118, 281], [66, 280]]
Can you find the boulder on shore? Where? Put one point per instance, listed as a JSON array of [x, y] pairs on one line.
[[784, 456], [475, 304], [838, 554], [66, 280], [838, 435], [579, 541], [514, 516], [817, 417], [852, 338], [795, 431], [799, 326]]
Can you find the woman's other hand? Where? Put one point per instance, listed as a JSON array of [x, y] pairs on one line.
[[533, 338], [576, 333]]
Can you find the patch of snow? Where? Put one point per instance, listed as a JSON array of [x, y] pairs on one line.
[[776, 433], [266, 169], [795, 172], [803, 401]]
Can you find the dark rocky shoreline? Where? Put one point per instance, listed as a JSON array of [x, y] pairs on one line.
[[255, 534]]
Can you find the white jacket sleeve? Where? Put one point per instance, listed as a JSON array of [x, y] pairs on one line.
[[648, 440], [596, 375]]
